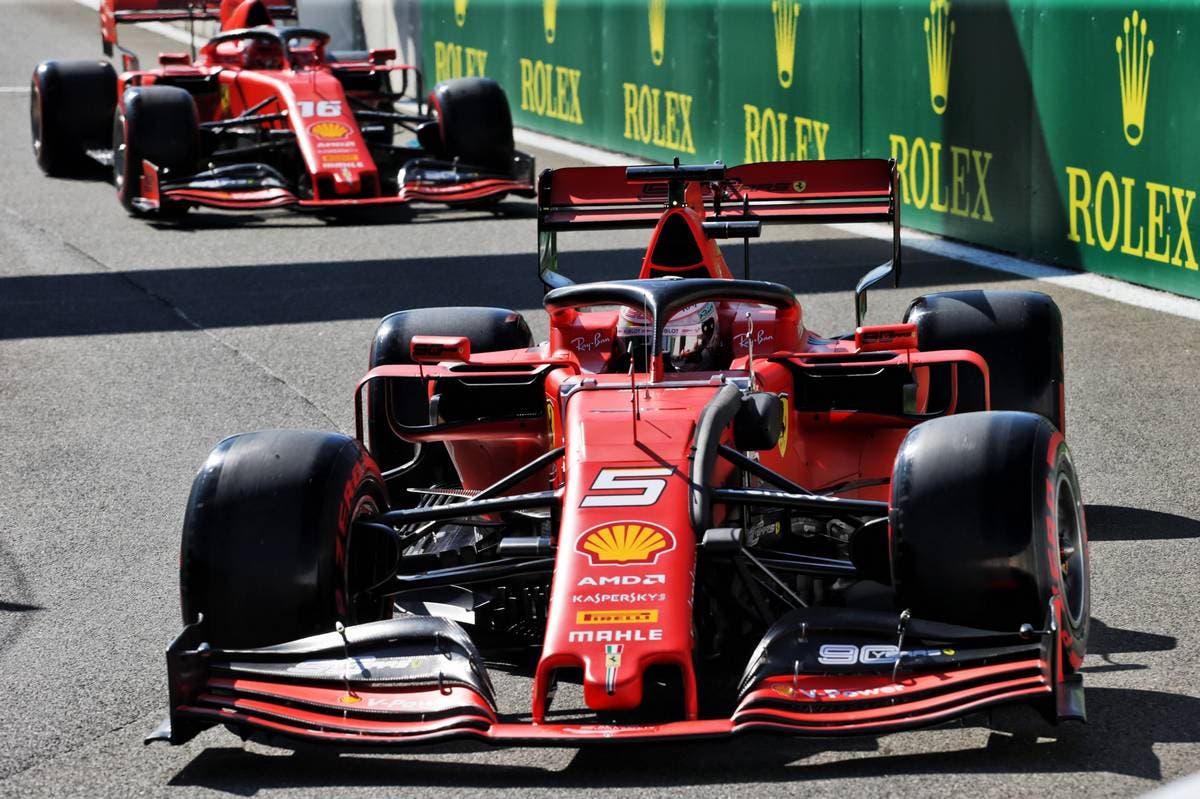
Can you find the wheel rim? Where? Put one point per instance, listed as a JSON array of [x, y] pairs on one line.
[[1072, 565], [119, 158], [358, 583]]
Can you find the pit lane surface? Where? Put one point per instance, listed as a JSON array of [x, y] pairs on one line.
[[128, 349]]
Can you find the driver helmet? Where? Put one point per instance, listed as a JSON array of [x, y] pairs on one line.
[[260, 54], [690, 338]]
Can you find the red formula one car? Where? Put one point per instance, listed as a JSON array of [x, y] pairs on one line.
[[713, 519], [267, 117]]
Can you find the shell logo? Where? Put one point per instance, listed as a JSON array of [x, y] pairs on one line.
[[625, 543], [329, 130]]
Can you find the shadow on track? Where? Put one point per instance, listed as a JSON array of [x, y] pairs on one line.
[[1117, 523], [102, 303]]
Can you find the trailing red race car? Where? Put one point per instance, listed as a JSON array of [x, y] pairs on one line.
[[268, 117], [716, 520]]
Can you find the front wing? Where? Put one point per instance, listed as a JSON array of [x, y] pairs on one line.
[[418, 680], [256, 186]]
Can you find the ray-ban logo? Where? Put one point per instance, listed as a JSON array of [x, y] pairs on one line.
[[1134, 52]]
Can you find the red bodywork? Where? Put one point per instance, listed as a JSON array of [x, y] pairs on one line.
[[302, 91], [625, 557]]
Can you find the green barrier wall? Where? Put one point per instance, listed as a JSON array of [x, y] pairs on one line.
[[1048, 128]]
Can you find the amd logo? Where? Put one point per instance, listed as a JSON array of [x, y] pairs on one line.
[[624, 579]]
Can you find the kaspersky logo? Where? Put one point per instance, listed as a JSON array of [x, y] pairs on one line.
[[939, 42], [1134, 52], [786, 14], [658, 30], [550, 18], [460, 12]]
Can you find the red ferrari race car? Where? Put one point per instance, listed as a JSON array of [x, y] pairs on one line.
[[268, 117], [708, 516]]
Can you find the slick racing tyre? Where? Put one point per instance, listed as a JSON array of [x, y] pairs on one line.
[[268, 553], [987, 525], [488, 330], [1018, 333], [475, 122], [70, 108], [157, 124]]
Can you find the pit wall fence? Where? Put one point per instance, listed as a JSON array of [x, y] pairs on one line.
[[1056, 130]]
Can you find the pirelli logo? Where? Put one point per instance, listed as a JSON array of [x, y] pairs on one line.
[[616, 617]]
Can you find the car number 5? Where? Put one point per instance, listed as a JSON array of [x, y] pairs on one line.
[[639, 486]]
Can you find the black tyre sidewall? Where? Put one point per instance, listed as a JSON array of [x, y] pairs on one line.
[[266, 548]]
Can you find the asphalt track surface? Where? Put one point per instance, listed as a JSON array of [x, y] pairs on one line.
[[128, 349]]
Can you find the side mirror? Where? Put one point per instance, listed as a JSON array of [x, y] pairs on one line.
[[870, 279], [435, 349], [381, 55]]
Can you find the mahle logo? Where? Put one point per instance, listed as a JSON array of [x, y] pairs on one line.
[[786, 13], [658, 30], [939, 42], [1134, 52], [550, 18], [460, 12]]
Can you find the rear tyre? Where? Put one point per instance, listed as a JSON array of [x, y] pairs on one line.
[[475, 122], [70, 108], [1018, 333], [488, 330], [987, 525], [267, 552], [158, 124]]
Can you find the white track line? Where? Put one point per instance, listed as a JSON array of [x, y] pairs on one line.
[[1109, 288], [14, 90]]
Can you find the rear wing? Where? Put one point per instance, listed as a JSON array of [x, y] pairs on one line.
[[736, 202], [114, 12]]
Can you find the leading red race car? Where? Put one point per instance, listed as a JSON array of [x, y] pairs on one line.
[[268, 117], [712, 518]]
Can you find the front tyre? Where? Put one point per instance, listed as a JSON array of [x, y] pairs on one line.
[[475, 122], [987, 525], [158, 124], [269, 553]]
